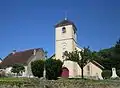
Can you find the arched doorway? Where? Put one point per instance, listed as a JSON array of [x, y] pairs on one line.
[[65, 72]]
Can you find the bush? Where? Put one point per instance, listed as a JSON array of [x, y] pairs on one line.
[[106, 74], [18, 68], [2, 73], [53, 69], [37, 68], [118, 73]]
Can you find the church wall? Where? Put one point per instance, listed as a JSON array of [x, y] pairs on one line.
[[60, 48], [68, 34], [39, 55], [73, 67], [94, 71], [64, 41]]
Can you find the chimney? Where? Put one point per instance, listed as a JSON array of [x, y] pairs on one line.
[[14, 51]]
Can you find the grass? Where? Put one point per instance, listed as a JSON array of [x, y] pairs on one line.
[[91, 81], [35, 81], [13, 81]]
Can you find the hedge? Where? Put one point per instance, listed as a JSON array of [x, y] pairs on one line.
[[106, 74], [118, 73]]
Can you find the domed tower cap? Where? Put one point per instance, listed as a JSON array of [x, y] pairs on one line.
[[65, 22]]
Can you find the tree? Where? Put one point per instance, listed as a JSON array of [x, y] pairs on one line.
[[116, 55], [37, 68], [81, 57], [18, 68], [109, 57], [53, 68], [86, 56]]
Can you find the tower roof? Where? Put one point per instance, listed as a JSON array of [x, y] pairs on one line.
[[65, 22]]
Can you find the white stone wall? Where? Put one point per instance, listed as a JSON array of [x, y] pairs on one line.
[[94, 72], [8, 70], [73, 67], [64, 41]]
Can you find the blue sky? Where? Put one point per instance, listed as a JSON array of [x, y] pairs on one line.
[[26, 24]]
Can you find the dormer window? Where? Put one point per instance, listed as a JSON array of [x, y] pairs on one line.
[[63, 30]]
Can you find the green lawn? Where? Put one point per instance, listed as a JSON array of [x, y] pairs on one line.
[[13, 80], [21, 81]]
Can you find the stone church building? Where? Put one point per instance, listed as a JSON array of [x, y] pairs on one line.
[[66, 40]]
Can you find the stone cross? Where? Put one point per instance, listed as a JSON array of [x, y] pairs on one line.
[[114, 75]]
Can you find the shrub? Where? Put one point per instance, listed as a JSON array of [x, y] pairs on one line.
[[118, 73], [106, 74], [2, 73], [37, 68], [18, 68], [53, 68]]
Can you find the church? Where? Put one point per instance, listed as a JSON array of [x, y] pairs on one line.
[[66, 40]]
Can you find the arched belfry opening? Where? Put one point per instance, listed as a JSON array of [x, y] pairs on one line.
[[65, 72]]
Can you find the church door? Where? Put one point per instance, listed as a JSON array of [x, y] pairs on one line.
[[65, 72]]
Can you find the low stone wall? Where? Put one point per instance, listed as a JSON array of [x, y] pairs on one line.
[[66, 84]]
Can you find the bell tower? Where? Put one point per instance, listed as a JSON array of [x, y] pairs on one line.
[[65, 38]]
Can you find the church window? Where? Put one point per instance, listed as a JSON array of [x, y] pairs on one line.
[[64, 44], [63, 30], [88, 70]]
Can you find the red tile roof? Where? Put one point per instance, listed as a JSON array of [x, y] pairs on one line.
[[21, 57]]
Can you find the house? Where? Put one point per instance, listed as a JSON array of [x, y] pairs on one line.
[[66, 40], [22, 57], [93, 70]]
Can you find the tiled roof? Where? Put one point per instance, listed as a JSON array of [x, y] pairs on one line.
[[97, 64], [21, 57], [65, 23]]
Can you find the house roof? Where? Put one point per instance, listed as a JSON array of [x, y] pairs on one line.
[[97, 64], [21, 57], [65, 22]]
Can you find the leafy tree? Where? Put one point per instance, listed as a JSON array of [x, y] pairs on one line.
[[53, 68], [37, 68], [116, 55], [81, 57], [18, 68], [109, 57], [86, 56]]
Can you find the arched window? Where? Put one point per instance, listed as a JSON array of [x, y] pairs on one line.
[[63, 30]]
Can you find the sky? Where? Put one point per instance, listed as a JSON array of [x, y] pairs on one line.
[[27, 24]]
